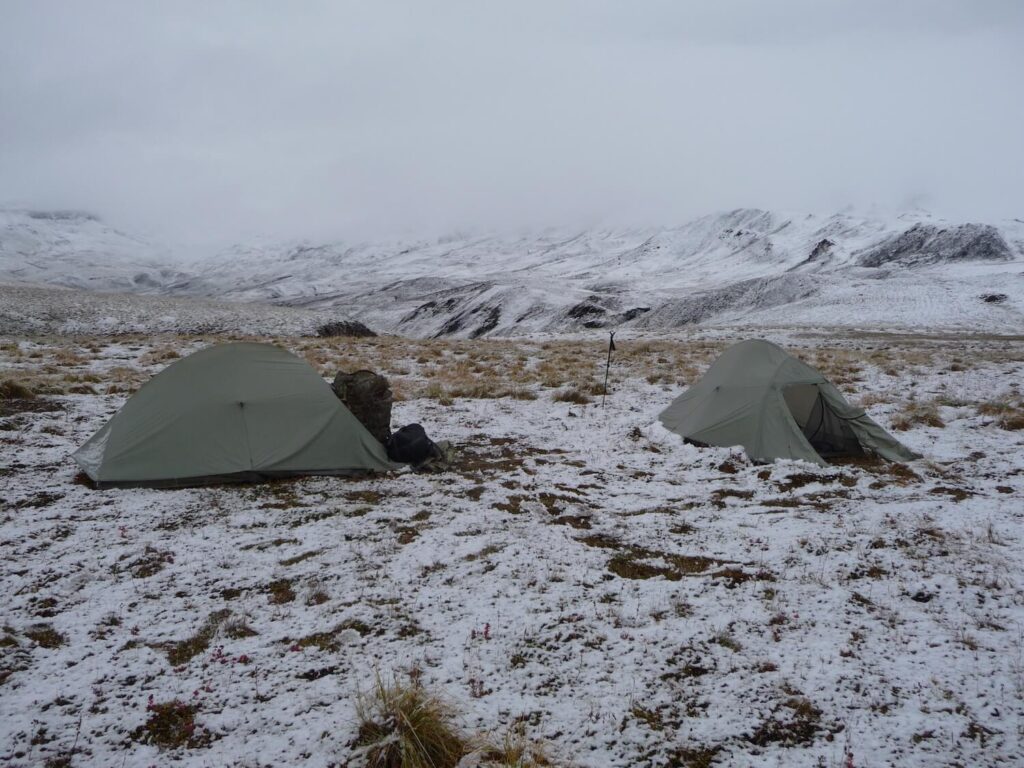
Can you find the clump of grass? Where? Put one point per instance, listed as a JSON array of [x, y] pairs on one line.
[[281, 591], [795, 722], [238, 629], [159, 356], [918, 414], [330, 640], [45, 636], [300, 558], [726, 640], [1008, 413], [694, 757], [181, 652], [15, 390], [573, 395], [172, 724], [513, 750], [150, 562], [437, 392], [402, 725], [317, 593]]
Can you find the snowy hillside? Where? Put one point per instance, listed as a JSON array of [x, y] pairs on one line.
[[747, 266], [78, 250]]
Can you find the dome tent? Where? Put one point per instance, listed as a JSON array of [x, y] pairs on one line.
[[757, 396], [231, 412]]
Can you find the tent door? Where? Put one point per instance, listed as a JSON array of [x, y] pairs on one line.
[[825, 430]]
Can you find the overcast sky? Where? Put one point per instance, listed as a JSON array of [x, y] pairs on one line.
[[218, 121]]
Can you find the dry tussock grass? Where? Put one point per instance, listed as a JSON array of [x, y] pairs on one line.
[[1008, 412], [918, 413], [574, 395], [446, 370], [69, 357], [15, 390], [513, 750], [402, 725], [439, 369], [164, 354]]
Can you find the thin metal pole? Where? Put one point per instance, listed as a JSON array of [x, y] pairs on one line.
[[608, 365]]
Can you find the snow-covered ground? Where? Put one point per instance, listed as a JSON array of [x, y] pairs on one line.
[[633, 600], [41, 309]]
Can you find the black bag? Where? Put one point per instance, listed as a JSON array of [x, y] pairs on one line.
[[410, 445]]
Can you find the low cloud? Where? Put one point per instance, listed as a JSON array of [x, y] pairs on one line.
[[332, 119]]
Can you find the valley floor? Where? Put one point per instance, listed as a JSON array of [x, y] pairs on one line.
[[633, 601]]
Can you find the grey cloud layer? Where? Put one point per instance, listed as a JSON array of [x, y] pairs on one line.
[[375, 118]]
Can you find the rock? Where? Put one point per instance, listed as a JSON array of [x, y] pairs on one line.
[[928, 244], [994, 298], [344, 328], [368, 396]]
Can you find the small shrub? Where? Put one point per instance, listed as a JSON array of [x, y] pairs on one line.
[[401, 725]]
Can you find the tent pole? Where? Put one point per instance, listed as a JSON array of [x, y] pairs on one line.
[[608, 365]]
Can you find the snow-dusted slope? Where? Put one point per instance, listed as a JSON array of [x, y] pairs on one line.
[[745, 266], [27, 309], [77, 250]]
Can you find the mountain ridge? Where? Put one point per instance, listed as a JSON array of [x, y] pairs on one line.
[[741, 266]]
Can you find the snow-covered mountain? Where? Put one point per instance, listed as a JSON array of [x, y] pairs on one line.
[[747, 267], [77, 250], [744, 266]]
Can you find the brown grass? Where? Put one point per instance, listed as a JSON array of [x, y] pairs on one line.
[[45, 636], [1008, 412], [183, 651], [513, 750], [401, 725], [918, 414], [171, 725], [15, 390], [574, 395]]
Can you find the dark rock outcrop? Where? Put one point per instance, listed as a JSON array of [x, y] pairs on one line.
[[924, 244], [350, 328]]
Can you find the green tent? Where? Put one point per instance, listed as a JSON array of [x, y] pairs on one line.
[[232, 412], [757, 396]]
